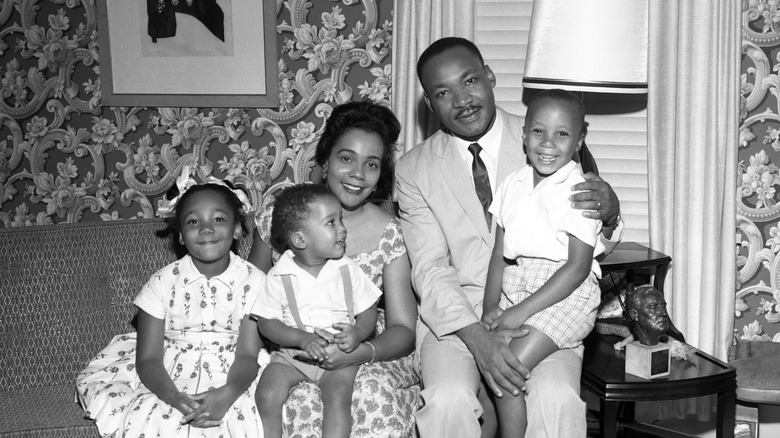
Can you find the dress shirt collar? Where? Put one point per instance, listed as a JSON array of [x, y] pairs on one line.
[[490, 142], [286, 265], [191, 272]]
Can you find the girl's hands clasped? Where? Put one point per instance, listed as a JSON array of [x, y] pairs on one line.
[[212, 406]]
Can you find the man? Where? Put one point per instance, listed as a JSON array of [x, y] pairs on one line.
[[450, 242]]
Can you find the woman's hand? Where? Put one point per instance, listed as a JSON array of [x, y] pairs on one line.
[[339, 359], [213, 406]]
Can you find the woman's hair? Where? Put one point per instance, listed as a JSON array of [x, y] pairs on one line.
[[291, 207], [369, 117], [562, 96], [174, 222]]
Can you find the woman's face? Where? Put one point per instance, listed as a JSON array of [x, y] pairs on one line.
[[354, 166]]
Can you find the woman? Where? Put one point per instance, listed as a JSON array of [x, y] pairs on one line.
[[356, 156]]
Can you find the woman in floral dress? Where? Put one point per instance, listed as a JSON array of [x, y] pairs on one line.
[[356, 156]]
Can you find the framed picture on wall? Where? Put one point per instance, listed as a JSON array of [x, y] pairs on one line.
[[188, 53]]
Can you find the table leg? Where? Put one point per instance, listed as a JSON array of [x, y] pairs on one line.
[[608, 424], [726, 412], [660, 276]]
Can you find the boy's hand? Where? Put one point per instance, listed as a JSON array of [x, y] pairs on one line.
[[489, 316], [511, 319], [348, 337], [314, 346]]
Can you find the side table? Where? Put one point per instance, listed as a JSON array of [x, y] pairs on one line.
[[603, 374], [630, 256]]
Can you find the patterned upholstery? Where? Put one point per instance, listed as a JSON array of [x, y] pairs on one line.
[[66, 290]]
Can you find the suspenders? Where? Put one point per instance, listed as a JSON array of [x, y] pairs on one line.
[[348, 296]]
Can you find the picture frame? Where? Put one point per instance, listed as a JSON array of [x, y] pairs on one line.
[[188, 53]]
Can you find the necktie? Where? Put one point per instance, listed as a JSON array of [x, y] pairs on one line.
[[481, 180]]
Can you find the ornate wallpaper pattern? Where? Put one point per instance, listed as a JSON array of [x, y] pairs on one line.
[[64, 158], [758, 212]]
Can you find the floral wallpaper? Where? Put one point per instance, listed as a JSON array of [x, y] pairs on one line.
[[64, 158], [758, 212]]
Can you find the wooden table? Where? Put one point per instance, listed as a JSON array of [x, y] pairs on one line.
[[603, 374], [630, 256]]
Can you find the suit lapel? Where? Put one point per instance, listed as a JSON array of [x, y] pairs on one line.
[[511, 155], [456, 176]]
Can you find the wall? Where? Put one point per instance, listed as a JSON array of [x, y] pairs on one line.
[[64, 158], [758, 213]]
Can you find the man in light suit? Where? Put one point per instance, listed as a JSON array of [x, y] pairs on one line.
[[450, 242]]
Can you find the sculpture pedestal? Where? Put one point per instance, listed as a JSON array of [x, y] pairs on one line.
[[648, 361]]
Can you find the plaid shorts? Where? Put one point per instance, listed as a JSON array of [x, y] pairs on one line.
[[566, 322]]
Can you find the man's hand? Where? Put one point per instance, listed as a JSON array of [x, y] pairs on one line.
[[597, 199], [496, 362]]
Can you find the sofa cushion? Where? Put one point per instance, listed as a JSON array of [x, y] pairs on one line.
[[50, 412], [66, 290]]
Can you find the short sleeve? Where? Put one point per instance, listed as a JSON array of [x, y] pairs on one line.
[[263, 225], [364, 291], [150, 298], [268, 303], [393, 241], [251, 287]]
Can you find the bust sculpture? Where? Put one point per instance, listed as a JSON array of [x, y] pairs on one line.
[[646, 308]]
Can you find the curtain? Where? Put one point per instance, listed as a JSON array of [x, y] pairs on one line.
[[693, 120], [418, 23]]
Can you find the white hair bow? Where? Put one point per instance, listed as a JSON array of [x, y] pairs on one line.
[[184, 182]]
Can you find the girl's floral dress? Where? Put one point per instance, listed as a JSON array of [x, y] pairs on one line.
[[202, 319]]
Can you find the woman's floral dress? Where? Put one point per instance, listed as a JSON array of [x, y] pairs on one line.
[[202, 319], [385, 395]]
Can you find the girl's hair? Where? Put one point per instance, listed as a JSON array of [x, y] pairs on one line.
[[369, 117], [563, 96], [291, 207], [174, 222]]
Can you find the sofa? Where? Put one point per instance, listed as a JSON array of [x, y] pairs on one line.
[[65, 291]]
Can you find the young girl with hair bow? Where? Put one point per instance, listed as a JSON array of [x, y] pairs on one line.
[[191, 369]]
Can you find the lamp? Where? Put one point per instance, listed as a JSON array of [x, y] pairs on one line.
[[588, 46]]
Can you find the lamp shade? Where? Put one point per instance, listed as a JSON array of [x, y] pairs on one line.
[[588, 46]]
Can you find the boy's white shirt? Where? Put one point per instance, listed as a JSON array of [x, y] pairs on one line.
[[320, 300]]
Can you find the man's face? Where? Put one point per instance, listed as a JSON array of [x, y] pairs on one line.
[[459, 89], [652, 317]]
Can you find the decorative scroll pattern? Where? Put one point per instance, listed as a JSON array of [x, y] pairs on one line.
[[64, 158], [758, 212]]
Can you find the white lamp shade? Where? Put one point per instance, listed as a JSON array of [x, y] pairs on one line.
[[588, 45]]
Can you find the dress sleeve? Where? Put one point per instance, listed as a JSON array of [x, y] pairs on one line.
[[150, 298], [392, 241], [251, 288], [263, 225]]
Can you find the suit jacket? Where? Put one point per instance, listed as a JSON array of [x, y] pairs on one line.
[[444, 226]]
